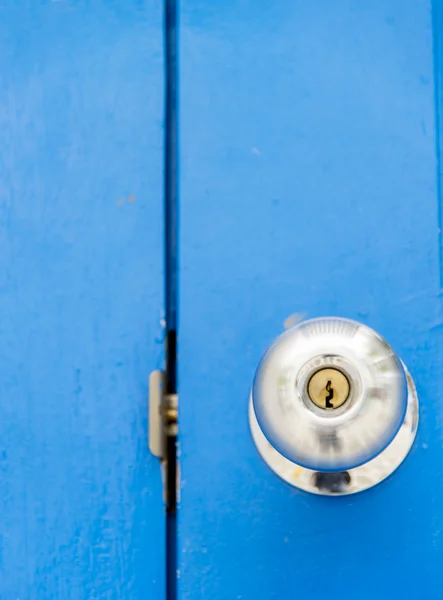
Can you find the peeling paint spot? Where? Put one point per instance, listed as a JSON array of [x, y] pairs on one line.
[[293, 319], [122, 200], [297, 472]]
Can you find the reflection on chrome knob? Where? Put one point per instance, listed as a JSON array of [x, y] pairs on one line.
[[333, 409]]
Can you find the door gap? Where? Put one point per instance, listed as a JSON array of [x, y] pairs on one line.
[[171, 279]]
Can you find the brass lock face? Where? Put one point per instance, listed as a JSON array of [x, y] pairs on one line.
[[328, 388]]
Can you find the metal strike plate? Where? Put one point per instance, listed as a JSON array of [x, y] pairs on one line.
[[156, 432], [163, 409]]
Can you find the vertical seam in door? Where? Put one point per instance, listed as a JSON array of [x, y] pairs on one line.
[[437, 21], [171, 279], [171, 180]]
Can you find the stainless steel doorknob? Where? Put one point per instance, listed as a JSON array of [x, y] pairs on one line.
[[333, 410]]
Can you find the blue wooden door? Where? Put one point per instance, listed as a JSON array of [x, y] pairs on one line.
[[81, 104], [310, 185]]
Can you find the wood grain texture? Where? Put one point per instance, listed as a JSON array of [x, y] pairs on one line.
[[80, 299], [308, 186]]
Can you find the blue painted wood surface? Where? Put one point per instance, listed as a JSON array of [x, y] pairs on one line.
[[81, 105], [309, 185]]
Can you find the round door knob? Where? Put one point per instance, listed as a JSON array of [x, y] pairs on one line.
[[332, 409]]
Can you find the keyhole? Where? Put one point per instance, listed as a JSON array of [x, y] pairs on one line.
[[330, 395], [328, 388]]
